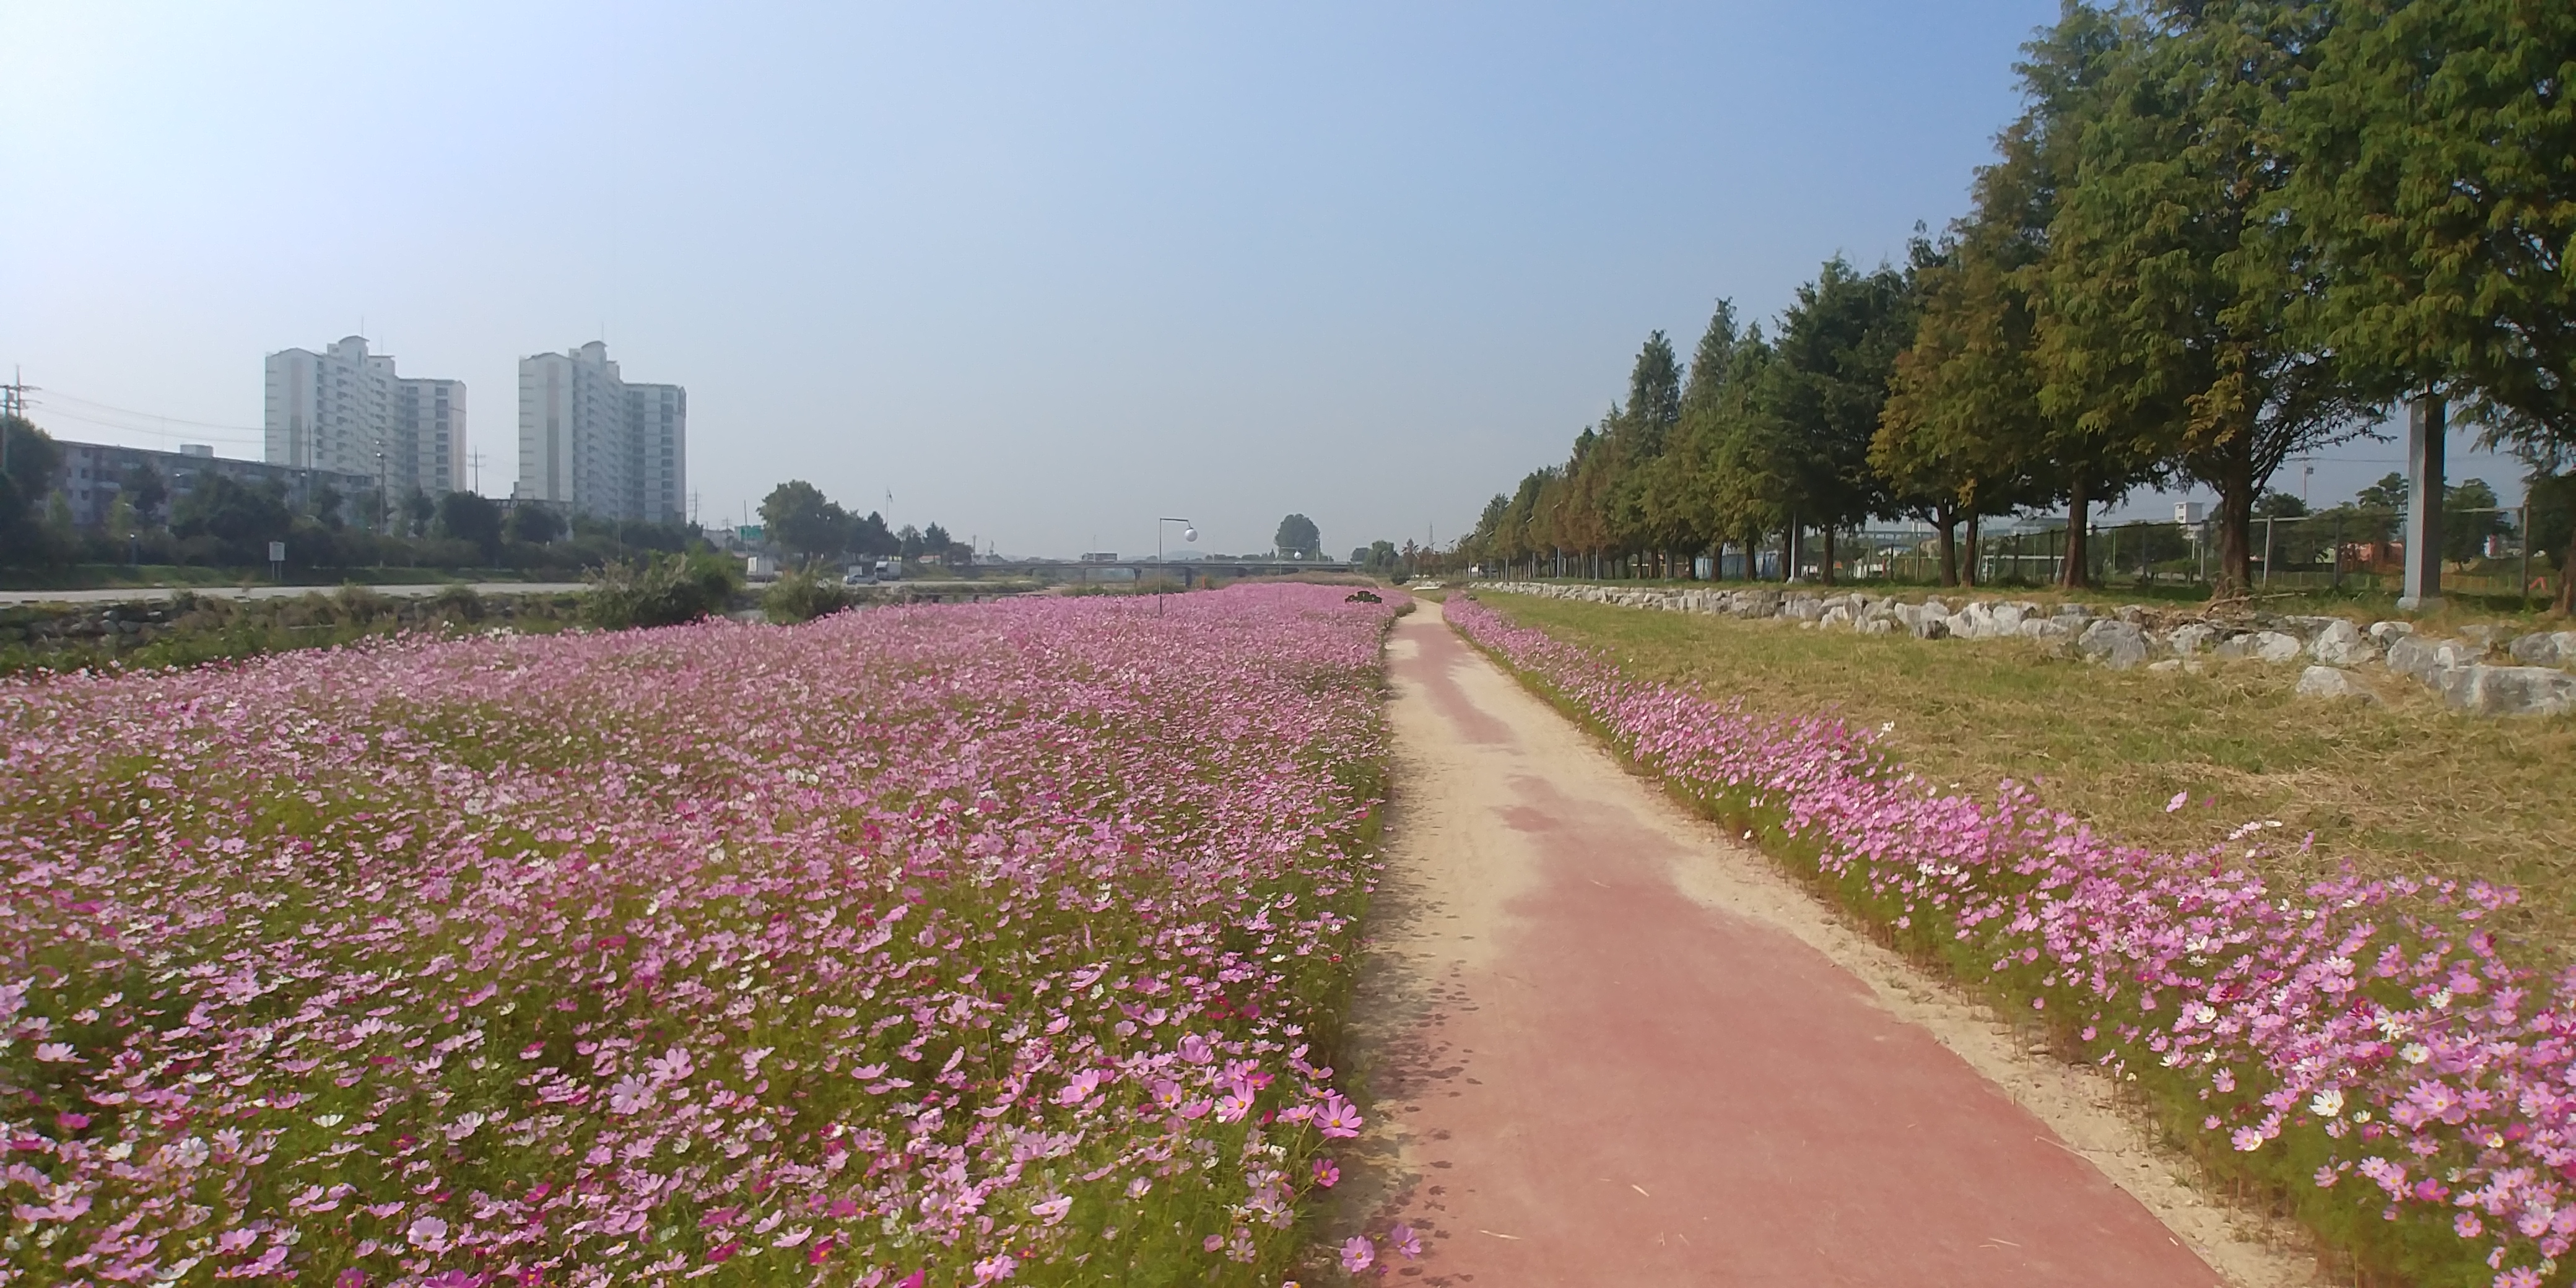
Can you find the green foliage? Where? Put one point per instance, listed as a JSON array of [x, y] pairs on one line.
[[33, 460], [468, 516], [803, 521], [1297, 535], [2441, 204], [240, 518], [800, 595], [534, 523], [2222, 234], [658, 590], [1819, 401]]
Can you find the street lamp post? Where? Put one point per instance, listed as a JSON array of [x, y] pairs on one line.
[[1189, 533]]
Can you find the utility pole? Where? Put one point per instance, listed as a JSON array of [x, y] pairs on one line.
[[476, 460], [13, 407]]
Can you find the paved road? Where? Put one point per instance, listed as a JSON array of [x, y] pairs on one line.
[[1596, 1061], [155, 594]]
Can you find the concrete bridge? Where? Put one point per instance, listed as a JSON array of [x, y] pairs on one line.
[[1188, 572]]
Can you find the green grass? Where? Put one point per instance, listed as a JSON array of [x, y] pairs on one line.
[[2359, 602], [119, 576], [2403, 787], [213, 629]]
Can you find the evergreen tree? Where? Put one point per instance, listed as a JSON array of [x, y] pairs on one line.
[[2171, 285], [2438, 198], [1821, 395], [1297, 535]]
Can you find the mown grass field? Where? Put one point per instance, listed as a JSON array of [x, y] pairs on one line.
[[2401, 788]]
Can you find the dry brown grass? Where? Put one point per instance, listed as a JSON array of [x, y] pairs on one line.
[[2403, 786]]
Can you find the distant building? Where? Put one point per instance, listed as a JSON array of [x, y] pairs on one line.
[[597, 445], [345, 410], [94, 474]]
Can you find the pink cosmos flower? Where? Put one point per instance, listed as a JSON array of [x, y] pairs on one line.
[[1339, 1117], [429, 1234], [1403, 1240], [631, 1095], [1327, 1174], [1358, 1254], [1079, 1088]]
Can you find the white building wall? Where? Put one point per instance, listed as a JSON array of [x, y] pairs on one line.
[[345, 410], [429, 434], [658, 420], [592, 443]]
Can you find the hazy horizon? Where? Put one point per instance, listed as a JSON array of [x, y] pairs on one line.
[[1042, 276]]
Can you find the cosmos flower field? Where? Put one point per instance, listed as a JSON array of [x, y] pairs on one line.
[[924, 947], [2361, 1048]]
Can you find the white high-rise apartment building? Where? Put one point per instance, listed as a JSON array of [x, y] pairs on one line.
[[345, 409], [596, 445]]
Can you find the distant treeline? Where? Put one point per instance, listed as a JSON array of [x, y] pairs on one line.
[[2219, 236], [222, 522]]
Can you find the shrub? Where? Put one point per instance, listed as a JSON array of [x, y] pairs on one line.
[[458, 604], [357, 603], [658, 590], [801, 596]]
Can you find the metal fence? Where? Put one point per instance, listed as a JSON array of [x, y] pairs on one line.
[[2485, 554]]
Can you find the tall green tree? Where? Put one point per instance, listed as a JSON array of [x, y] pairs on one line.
[[1298, 535], [1822, 392], [33, 459], [1958, 434], [2439, 198], [2077, 450], [241, 517], [534, 524], [803, 521], [1639, 436], [470, 516], [2172, 284]]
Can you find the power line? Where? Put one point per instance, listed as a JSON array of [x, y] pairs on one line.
[[60, 396], [59, 414]]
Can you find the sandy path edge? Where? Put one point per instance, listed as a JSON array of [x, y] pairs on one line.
[[1431, 924]]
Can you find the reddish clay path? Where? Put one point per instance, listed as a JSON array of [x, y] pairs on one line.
[[1594, 1062]]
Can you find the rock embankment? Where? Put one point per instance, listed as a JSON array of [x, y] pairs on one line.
[[2486, 670]]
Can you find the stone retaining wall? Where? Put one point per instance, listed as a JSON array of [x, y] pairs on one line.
[[2485, 671]]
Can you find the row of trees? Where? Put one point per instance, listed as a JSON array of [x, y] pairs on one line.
[[224, 522], [813, 528], [2221, 235]]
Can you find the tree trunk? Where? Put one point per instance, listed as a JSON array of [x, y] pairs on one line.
[[1945, 523], [2075, 572], [1968, 566], [1829, 555], [2566, 605], [1789, 553], [2235, 575]]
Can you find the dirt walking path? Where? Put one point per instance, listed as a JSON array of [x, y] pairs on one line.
[[1606, 1045]]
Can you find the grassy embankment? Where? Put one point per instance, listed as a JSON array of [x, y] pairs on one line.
[[2401, 787], [196, 629], [123, 576], [2361, 605]]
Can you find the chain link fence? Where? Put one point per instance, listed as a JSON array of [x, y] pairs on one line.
[[2357, 550]]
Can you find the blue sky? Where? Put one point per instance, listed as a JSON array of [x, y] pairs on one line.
[[1042, 273]]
